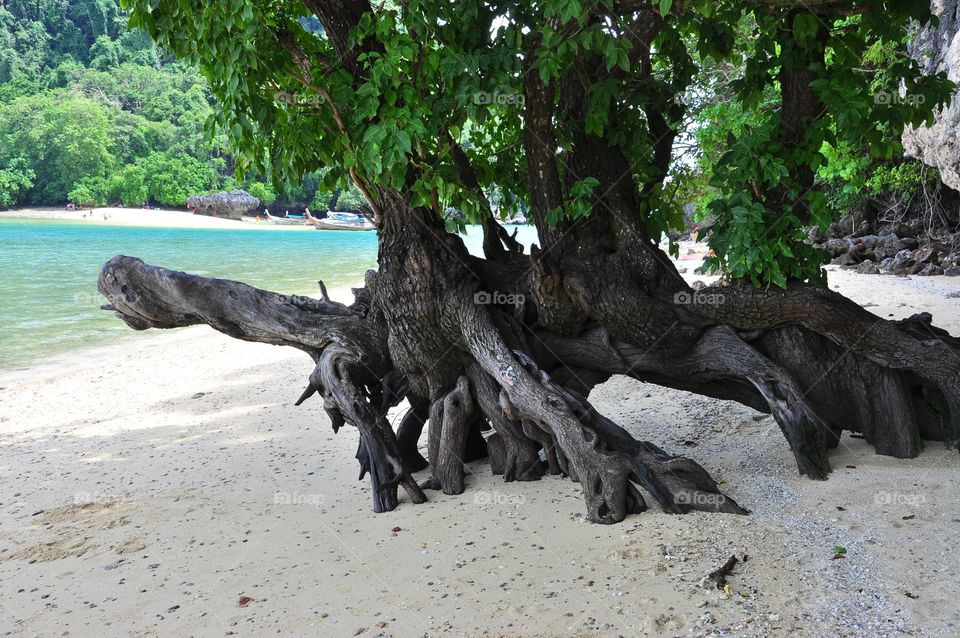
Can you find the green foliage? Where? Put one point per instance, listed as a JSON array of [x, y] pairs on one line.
[[171, 180], [87, 104], [159, 178], [350, 199], [87, 193], [758, 201], [16, 178], [64, 138], [321, 200], [262, 191], [436, 73], [129, 186]]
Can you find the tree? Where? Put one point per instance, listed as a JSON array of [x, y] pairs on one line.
[[78, 56], [105, 53], [15, 180], [350, 199], [130, 185], [572, 108], [263, 192], [88, 192], [64, 137], [171, 180]]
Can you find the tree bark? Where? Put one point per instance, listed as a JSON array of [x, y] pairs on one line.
[[817, 362]]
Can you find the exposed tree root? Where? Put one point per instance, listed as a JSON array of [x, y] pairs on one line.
[[453, 416], [340, 379], [602, 456], [352, 374], [464, 366]]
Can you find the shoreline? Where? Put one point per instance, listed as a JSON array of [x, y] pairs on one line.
[[857, 286], [149, 218], [140, 343]]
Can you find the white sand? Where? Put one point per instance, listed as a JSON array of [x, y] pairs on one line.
[[146, 494], [152, 218]]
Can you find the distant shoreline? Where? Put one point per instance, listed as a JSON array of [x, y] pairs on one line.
[[151, 218]]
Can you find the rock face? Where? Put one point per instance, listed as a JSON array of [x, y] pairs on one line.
[[939, 50], [232, 205], [861, 241]]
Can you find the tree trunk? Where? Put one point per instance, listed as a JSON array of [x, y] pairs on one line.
[[814, 360]]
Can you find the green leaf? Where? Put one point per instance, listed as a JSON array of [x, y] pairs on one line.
[[805, 26]]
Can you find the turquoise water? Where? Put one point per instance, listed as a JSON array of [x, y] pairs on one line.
[[49, 303]]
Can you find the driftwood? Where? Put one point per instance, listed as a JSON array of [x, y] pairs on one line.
[[719, 576]]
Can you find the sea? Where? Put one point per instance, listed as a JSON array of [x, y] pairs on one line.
[[50, 307]]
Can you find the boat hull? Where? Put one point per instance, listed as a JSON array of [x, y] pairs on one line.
[[329, 224], [286, 221]]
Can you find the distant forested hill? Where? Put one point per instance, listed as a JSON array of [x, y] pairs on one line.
[[92, 112]]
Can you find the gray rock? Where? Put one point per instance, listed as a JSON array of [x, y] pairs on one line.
[[888, 246], [928, 254], [852, 224], [850, 258], [815, 235], [931, 269], [953, 271], [904, 255], [903, 263], [899, 229], [938, 49], [837, 247], [232, 205], [869, 242], [868, 268], [951, 260]]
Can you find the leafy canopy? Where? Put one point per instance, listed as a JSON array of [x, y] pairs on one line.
[[419, 75]]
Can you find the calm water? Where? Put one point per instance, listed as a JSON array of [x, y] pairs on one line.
[[49, 303]]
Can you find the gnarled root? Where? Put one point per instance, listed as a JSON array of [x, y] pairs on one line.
[[815, 381], [597, 452], [408, 435], [339, 378], [451, 419], [512, 453], [352, 373]]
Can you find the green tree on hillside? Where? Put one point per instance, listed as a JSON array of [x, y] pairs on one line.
[[65, 138], [16, 178]]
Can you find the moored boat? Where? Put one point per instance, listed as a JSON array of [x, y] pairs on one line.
[[287, 220], [341, 221]]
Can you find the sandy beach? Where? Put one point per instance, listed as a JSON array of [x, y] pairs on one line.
[[154, 217], [172, 489]]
